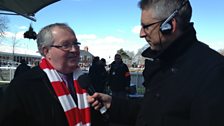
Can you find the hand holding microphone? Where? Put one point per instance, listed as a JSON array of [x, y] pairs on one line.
[[97, 100]]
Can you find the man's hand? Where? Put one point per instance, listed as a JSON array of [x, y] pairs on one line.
[[98, 100]]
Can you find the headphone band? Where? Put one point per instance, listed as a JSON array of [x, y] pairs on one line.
[[166, 27]]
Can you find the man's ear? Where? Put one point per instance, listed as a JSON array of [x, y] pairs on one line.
[[45, 50], [174, 24]]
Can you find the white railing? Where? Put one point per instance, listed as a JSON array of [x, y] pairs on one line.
[[7, 73], [137, 79]]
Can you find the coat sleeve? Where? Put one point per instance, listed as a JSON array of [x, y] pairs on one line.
[[127, 75], [208, 105]]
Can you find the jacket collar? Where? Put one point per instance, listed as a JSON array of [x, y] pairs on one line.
[[179, 46]]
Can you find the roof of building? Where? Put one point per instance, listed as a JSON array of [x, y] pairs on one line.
[[9, 49], [21, 51]]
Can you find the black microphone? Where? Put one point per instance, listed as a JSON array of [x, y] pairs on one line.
[[85, 83]]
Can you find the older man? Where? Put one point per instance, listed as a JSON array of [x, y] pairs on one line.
[[49, 94]]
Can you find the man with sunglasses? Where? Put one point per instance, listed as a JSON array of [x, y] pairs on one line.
[[183, 77], [49, 94]]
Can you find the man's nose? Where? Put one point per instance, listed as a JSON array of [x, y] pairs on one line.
[[142, 33]]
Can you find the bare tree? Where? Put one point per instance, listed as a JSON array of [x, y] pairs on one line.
[[14, 44], [131, 54], [3, 25], [123, 54], [138, 59]]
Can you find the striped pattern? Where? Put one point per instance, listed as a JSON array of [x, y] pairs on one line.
[[76, 115]]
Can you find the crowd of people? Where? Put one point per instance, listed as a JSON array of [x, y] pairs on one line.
[[183, 78], [115, 81]]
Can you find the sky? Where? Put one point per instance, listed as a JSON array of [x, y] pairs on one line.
[[106, 26]]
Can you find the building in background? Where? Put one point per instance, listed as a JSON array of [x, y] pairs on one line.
[[14, 59], [11, 57], [86, 58]]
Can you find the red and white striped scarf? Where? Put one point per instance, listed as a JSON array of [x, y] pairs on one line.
[[76, 115]]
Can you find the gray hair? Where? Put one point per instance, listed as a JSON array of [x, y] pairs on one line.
[[45, 37], [162, 9]]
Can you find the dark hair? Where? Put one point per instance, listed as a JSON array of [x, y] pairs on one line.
[[103, 60], [96, 59], [23, 61]]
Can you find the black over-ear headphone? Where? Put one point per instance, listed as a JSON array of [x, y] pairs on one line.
[[166, 27]]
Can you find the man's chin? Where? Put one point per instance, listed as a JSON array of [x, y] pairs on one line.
[[73, 65], [71, 68], [155, 48]]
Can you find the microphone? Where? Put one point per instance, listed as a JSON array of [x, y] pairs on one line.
[[85, 83]]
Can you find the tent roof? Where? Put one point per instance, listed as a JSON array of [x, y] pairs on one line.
[[26, 8]]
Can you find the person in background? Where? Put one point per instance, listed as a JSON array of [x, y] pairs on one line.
[[183, 77], [107, 88], [49, 94], [98, 75], [22, 68], [103, 62], [119, 77]]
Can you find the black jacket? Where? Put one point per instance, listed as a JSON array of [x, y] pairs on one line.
[[119, 77], [31, 101], [98, 75], [184, 87]]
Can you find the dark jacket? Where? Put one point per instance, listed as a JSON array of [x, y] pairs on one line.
[[98, 75], [184, 87], [31, 101], [119, 77]]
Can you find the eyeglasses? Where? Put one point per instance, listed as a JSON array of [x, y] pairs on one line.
[[145, 27], [68, 46]]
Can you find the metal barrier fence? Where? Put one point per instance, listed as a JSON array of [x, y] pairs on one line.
[[137, 79], [7, 74]]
